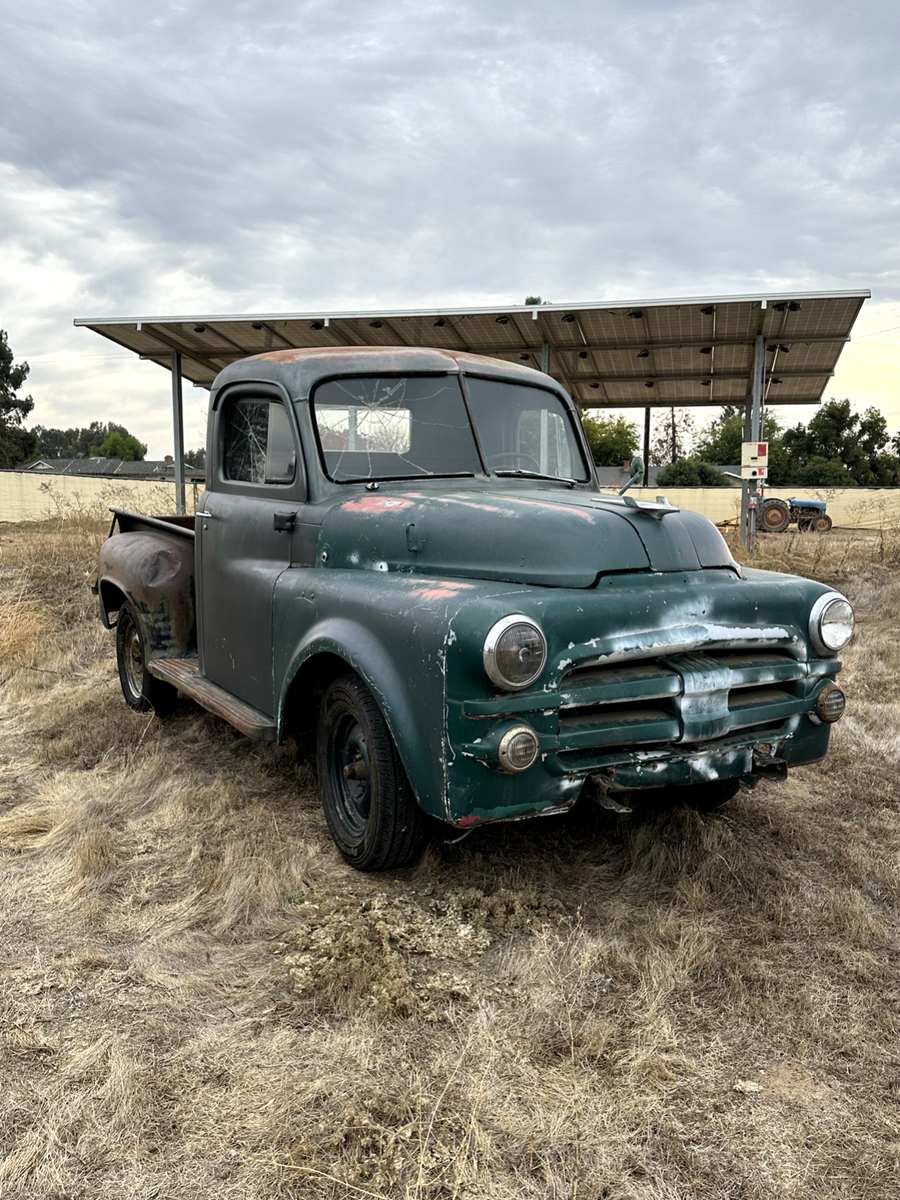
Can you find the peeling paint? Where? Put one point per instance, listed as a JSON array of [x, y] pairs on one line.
[[376, 504]]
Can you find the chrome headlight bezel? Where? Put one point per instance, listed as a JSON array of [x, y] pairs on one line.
[[816, 620], [489, 653], [507, 763]]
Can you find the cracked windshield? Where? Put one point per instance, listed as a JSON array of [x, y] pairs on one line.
[[377, 427]]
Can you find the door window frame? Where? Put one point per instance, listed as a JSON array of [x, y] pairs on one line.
[[295, 490]]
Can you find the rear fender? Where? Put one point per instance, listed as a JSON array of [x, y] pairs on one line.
[[155, 574]]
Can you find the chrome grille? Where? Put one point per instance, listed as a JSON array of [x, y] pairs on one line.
[[689, 698]]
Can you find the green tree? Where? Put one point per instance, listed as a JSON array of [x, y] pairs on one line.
[[691, 472], [114, 445], [838, 436], [721, 441], [822, 472], [16, 443], [69, 443], [613, 441], [196, 458]]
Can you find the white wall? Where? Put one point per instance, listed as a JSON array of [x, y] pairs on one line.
[[26, 497], [32, 497]]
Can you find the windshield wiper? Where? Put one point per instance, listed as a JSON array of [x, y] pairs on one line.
[[537, 475]]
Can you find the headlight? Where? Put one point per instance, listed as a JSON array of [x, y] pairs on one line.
[[831, 623], [514, 654]]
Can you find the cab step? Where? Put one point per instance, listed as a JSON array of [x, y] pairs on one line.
[[184, 673]]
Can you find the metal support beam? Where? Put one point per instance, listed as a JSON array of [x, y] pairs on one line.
[[752, 427], [545, 358], [647, 447], [178, 430]]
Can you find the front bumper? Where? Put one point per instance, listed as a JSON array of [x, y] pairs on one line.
[[653, 722]]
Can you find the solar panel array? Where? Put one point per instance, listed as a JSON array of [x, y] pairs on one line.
[[635, 354]]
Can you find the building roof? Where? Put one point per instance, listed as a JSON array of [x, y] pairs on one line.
[[105, 467], [623, 354]]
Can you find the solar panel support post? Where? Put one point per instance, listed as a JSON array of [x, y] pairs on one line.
[[646, 482], [178, 431], [752, 428], [545, 358]]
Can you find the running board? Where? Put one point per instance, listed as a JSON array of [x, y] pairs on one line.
[[184, 673]]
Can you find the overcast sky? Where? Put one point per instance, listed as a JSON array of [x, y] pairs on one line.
[[228, 157]]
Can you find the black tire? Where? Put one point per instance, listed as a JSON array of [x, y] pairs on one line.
[[142, 691], [822, 523], [373, 817], [773, 516], [706, 797]]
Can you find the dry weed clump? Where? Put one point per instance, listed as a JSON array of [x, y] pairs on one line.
[[198, 998], [410, 952]]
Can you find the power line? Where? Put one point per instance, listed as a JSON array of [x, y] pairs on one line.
[[876, 333]]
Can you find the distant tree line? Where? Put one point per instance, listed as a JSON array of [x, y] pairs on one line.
[[97, 440], [837, 448]]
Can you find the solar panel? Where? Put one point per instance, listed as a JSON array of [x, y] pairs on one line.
[[637, 354]]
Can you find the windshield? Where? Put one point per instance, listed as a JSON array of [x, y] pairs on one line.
[[525, 430], [394, 427], [409, 426]]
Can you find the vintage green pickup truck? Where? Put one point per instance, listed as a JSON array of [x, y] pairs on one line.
[[408, 549]]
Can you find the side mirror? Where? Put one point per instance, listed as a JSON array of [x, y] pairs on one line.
[[637, 473]]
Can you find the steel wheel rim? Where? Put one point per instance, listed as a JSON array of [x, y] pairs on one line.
[[772, 518], [134, 661], [354, 796]]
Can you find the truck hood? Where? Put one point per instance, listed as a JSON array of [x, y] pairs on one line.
[[538, 536]]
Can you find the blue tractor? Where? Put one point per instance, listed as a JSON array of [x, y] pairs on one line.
[[774, 516]]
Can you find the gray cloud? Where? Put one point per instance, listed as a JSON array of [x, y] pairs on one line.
[[231, 156]]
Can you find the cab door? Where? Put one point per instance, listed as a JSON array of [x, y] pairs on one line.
[[254, 500]]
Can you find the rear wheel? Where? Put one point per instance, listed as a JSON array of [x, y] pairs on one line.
[[774, 516], [142, 691], [371, 812]]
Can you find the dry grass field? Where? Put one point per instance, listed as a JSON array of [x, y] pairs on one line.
[[199, 1000]]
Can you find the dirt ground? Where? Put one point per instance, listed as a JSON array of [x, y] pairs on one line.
[[198, 999]]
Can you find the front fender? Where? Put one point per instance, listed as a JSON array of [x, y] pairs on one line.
[[392, 630]]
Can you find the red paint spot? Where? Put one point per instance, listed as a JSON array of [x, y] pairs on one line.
[[468, 822], [379, 504], [440, 591]]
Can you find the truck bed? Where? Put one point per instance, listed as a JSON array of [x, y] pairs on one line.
[[129, 522]]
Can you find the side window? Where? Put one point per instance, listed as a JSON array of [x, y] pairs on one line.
[[258, 445]]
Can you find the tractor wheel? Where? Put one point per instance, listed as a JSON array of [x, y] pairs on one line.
[[822, 523], [773, 516]]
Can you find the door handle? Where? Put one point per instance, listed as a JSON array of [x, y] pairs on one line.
[[201, 513], [284, 522]]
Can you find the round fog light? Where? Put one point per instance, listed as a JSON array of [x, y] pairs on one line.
[[830, 704], [518, 749]]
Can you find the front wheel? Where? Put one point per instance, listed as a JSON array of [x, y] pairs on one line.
[[142, 691], [371, 812]]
